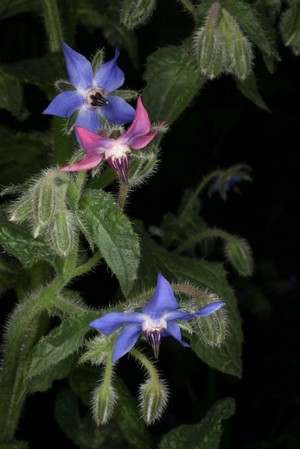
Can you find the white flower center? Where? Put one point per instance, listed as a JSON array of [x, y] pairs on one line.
[[150, 325], [117, 151]]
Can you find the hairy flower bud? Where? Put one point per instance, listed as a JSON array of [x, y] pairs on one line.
[[136, 12], [45, 198], [153, 397], [103, 402], [62, 234], [21, 210], [237, 50], [238, 252], [208, 45], [212, 329]]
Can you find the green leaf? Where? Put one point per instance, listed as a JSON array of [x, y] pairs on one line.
[[11, 97], [206, 275], [22, 154], [113, 235], [43, 381], [172, 80], [41, 72], [205, 435], [59, 344], [249, 89], [10, 8], [19, 243]]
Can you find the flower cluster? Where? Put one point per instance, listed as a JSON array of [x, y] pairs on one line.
[[156, 320], [94, 99]]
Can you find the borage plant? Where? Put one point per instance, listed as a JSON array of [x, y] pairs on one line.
[[71, 219]]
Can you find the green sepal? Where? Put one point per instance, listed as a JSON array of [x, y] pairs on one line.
[[205, 435], [113, 234], [249, 89], [136, 12]]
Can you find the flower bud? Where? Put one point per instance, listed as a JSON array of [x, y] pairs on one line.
[[236, 47], [62, 234], [153, 397], [212, 329], [45, 199], [21, 209], [103, 402], [136, 12], [238, 252], [208, 45]]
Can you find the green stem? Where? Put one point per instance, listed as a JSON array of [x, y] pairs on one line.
[[146, 363], [210, 233], [189, 6], [84, 268], [52, 24], [12, 392], [191, 201], [123, 192]]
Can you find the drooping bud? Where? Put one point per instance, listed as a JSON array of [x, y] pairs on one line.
[[103, 402], [136, 12], [212, 329], [62, 233], [208, 44], [153, 398], [141, 167], [238, 252], [237, 49], [21, 210], [45, 198]]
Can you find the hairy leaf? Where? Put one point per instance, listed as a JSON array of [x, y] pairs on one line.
[[113, 235]]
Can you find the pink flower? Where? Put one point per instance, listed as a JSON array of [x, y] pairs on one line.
[[115, 151]]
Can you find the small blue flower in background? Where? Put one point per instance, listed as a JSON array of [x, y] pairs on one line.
[[156, 320], [92, 93]]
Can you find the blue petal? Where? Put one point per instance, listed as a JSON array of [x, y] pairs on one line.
[[173, 330], [112, 321], [65, 103], [109, 76], [210, 308], [117, 111], [126, 340], [79, 68], [88, 119], [162, 301], [185, 316]]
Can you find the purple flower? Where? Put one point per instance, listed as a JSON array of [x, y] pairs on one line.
[[91, 96], [156, 320], [115, 151]]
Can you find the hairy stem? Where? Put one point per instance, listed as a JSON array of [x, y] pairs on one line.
[[210, 233], [52, 24], [123, 192], [189, 6]]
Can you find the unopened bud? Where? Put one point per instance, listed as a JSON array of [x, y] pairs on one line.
[[238, 252], [21, 209], [45, 199], [212, 329], [153, 398], [103, 402], [208, 45], [236, 47], [62, 234], [136, 12]]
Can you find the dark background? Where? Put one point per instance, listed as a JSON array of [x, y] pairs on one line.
[[220, 128]]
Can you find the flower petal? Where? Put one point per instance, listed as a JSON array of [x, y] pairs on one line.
[[88, 118], [117, 111], [79, 68], [126, 340], [112, 321], [91, 161], [65, 103], [90, 140], [162, 301], [173, 330], [140, 142], [109, 76], [185, 316], [140, 125]]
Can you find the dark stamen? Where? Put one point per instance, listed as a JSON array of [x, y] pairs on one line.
[[98, 100]]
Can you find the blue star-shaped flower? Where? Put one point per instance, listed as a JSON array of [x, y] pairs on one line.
[[156, 320], [92, 93]]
